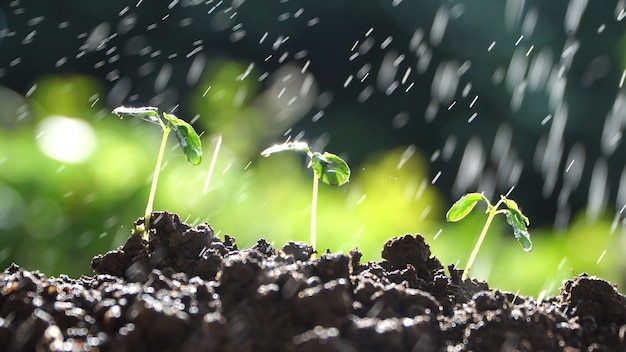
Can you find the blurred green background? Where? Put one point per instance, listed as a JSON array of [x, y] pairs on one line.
[[391, 86]]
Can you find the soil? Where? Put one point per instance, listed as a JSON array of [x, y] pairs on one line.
[[187, 290]]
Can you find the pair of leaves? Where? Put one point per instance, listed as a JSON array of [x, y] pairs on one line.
[[186, 135], [328, 167], [514, 216]]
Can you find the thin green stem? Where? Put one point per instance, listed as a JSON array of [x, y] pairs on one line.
[[492, 211], [155, 178], [314, 210], [472, 257]]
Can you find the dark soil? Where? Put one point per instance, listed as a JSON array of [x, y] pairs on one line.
[[187, 290]]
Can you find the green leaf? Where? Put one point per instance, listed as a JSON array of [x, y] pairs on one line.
[[512, 205], [187, 137], [518, 223], [330, 168], [147, 113], [464, 206], [295, 146]]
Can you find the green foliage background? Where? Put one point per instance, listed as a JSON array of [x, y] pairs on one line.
[[56, 215]]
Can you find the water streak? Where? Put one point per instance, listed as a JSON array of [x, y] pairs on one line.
[[218, 144]]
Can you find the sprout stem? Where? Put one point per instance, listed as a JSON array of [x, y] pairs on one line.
[[327, 167], [187, 138], [514, 217], [472, 257], [314, 211], [492, 211], [155, 179]]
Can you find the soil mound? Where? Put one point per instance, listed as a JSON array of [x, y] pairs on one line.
[[187, 290]]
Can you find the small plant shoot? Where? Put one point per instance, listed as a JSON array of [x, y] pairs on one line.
[[187, 138], [514, 217], [327, 167]]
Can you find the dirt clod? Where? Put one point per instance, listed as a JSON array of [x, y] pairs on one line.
[[187, 290]]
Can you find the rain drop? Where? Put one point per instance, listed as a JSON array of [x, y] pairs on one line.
[[513, 10], [436, 178], [195, 70], [365, 94], [598, 190], [163, 77], [620, 201], [127, 23], [440, 23], [119, 92], [445, 82], [416, 39], [387, 71], [575, 10], [400, 120], [530, 22], [471, 167], [517, 70], [424, 59], [574, 169], [97, 37], [406, 155], [448, 148], [386, 43], [431, 111], [539, 70]]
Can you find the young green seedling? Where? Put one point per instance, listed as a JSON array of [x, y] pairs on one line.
[[327, 167], [186, 135], [514, 217]]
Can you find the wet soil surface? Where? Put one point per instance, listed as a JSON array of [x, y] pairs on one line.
[[187, 290]]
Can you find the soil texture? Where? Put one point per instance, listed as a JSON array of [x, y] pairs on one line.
[[187, 290]]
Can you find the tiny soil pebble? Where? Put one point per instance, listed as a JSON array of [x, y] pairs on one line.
[[188, 290]]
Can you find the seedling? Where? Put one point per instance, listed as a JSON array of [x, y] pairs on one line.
[[514, 217], [186, 135], [327, 167]]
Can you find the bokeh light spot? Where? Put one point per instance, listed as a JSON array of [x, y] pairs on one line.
[[66, 139]]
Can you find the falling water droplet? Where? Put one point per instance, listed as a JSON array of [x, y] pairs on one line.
[[406, 155], [436, 177], [471, 167], [445, 82], [97, 36], [574, 169], [501, 144], [387, 72], [539, 70], [513, 10], [614, 123], [440, 23], [574, 13], [400, 120], [530, 22], [620, 201], [598, 190], [218, 144], [517, 69], [163, 77], [195, 70]]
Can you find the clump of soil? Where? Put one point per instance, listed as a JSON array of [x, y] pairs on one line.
[[187, 290]]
